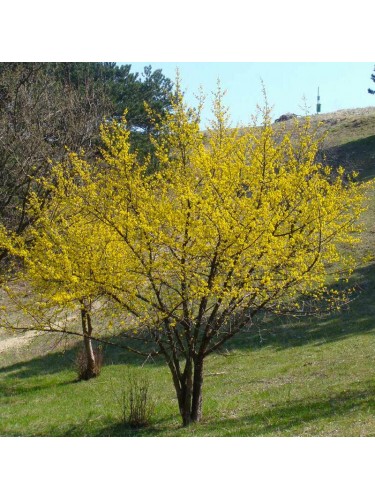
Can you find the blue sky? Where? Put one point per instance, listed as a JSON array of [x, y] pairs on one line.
[[342, 85]]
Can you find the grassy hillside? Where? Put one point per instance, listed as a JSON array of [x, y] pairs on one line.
[[307, 377], [351, 139]]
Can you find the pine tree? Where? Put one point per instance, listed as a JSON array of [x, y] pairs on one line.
[[371, 91]]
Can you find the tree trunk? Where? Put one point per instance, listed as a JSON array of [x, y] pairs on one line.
[[196, 411], [185, 397], [91, 368], [189, 394]]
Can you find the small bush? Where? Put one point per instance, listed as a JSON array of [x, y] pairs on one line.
[[135, 401], [82, 370]]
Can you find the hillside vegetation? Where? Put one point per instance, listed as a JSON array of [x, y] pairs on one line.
[[350, 140], [301, 377]]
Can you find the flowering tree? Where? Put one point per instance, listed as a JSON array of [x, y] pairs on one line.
[[234, 222], [59, 251]]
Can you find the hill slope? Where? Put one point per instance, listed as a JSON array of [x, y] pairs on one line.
[[311, 377], [351, 139]]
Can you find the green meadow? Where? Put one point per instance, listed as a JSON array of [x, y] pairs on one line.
[[309, 376]]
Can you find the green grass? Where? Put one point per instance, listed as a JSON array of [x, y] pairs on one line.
[[311, 377], [306, 377], [350, 141]]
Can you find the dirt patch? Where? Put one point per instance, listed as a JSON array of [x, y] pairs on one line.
[[13, 343]]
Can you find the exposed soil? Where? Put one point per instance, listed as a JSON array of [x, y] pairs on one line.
[[13, 343]]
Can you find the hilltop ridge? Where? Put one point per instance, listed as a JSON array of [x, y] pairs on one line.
[[341, 114], [350, 140]]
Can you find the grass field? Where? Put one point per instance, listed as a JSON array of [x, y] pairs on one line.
[[307, 377]]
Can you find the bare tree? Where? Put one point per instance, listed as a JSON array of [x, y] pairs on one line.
[[40, 115]]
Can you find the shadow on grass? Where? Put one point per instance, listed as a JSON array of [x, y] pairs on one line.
[[123, 430], [354, 155], [279, 419], [286, 332], [115, 429], [20, 389], [56, 362], [282, 418], [282, 333]]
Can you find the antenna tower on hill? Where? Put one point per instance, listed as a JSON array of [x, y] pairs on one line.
[[318, 105]]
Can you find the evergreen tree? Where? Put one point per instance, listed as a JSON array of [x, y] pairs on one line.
[[46, 107], [371, 91]]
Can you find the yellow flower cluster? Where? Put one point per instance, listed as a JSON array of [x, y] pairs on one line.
[[233, 221]]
